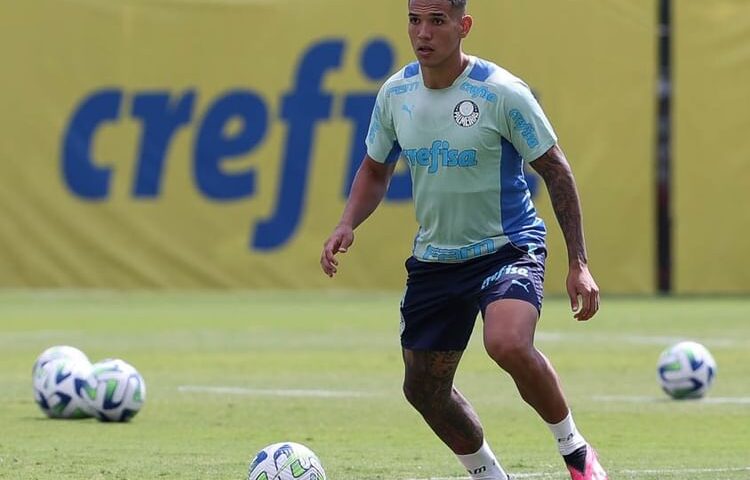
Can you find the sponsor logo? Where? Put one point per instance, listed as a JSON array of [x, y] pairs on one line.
[[440, 154], [165, 113], [506, 270], [408, 109], [402, 89], [478, 249], [477, 91], [525, 128], [525, 286]]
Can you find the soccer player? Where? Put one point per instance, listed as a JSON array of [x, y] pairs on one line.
[[465, 127]]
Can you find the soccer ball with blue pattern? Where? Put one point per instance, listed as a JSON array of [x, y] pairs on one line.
[[55, 352], [286, 461], [60, 387], [686, 370], [117, 391]]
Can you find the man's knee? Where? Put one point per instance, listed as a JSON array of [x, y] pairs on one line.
[[428, 378], [509, 333], [510, 352]]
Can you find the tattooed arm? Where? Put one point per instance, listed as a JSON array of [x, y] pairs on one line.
[[553, 167]]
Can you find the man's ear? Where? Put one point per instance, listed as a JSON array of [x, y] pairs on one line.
[[466, 23]]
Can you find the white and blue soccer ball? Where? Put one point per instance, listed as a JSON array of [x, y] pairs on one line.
[[286, 461], [60, 387], [117, 392], [686, 370], [58, 351]]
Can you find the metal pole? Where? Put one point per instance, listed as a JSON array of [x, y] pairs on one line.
[[664, 150]]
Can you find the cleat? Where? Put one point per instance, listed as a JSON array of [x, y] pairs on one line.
[[592, 470]]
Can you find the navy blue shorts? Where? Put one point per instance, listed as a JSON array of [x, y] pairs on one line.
[[442, 300]]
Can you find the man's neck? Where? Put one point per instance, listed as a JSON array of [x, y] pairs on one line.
[[443, 76]]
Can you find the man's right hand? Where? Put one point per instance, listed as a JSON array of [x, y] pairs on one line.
[[339, 242]]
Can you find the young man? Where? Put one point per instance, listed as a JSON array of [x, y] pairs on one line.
[[465, 127]]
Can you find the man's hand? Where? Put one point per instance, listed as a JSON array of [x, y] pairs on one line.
[[339, 242], [581, 284]]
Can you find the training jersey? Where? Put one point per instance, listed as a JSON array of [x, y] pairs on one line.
[[465, 146]]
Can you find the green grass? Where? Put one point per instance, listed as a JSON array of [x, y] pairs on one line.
[[270, 342]]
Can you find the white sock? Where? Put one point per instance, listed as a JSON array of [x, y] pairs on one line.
[[566, 434], [483, 465]]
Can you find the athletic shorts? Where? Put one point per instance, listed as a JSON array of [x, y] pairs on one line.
[[442, 300]]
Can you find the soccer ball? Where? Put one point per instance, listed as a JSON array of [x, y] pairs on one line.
[[58, 351], [286, 461], [117, 390], [60, 387], [686, 370]]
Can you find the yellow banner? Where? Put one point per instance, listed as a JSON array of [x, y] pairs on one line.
[[711, 168], [594, 74], [211, 144]]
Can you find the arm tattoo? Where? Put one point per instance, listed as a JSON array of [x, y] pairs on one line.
[[557, 175]]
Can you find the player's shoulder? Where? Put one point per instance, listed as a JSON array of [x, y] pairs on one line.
[[405, 80], [410, 72], [494, 77]]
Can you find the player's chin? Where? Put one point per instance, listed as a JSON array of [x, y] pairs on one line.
[[427, 58]]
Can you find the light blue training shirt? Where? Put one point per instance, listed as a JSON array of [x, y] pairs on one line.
[[465, 146]]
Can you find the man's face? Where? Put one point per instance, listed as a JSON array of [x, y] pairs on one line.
[[435, 30]]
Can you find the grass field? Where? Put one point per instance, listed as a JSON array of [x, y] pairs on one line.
[[228, 373]]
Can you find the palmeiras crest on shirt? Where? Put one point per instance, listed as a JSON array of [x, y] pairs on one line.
[[466, 113]]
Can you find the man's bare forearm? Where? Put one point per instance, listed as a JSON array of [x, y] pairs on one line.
[[369, 188], [561, 185]]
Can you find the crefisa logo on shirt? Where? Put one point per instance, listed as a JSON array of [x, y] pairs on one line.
[[466, 113], [440, 154]]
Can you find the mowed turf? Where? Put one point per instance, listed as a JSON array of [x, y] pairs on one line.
[[228, 373]]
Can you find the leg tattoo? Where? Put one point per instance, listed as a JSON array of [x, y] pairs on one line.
[[428, 386]]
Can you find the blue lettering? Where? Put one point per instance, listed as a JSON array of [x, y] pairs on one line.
[[440, 153], [441, 254], [437, 147], [423, 157], [525, 128], [213, 145], [302, 109], [357, 108], [81, 175], [485, 247], [479, 91], [401, 89], [160, 122], [452, 160], [410, 155], [376, 62], [467, 158], [234, 125]]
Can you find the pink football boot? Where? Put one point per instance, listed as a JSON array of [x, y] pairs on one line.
[[592, 470]]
